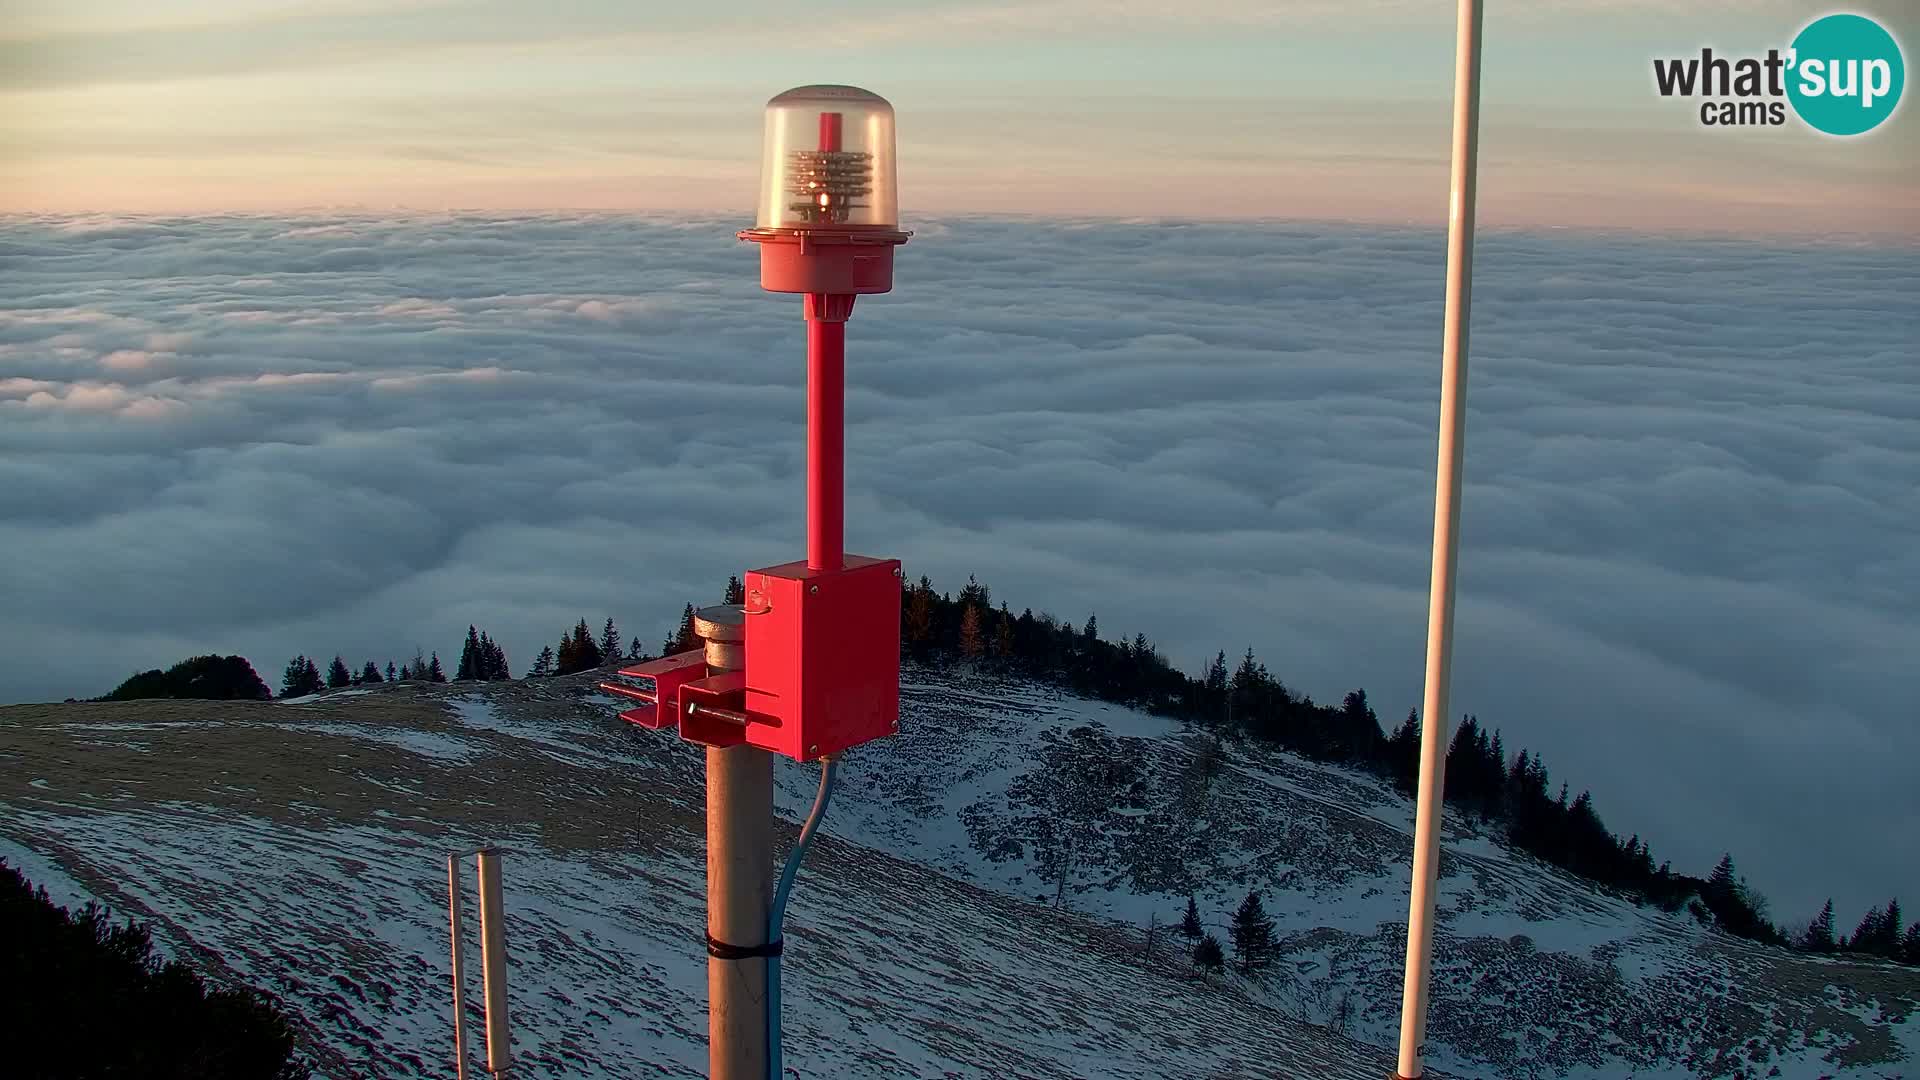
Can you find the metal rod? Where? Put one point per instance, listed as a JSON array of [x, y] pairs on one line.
[[826, 409], [459, 971], [1446, 539], [717, 713], [826, 438], [647, 696], [493, 963]]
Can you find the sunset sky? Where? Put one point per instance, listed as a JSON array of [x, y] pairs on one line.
[[1149, 108]]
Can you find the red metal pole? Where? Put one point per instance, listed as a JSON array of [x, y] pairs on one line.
[[826, 429], [827, 410]]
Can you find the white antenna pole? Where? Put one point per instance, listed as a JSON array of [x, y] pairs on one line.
[[1446, 537]]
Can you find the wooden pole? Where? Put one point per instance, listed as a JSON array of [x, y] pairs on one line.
[[493, 963], [459, 971], [739, 874]]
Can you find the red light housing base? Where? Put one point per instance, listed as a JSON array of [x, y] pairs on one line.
[[843, 261]]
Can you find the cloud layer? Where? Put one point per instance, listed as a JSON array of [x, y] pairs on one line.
[[1691, 531]]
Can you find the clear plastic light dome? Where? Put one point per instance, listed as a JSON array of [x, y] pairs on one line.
[[829, 161]]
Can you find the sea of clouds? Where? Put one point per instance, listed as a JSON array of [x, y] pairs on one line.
[[1691, 532]]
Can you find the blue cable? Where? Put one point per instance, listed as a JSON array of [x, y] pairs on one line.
[[778, 914]]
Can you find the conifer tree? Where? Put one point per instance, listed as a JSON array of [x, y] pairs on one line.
[[337, 674], [686, 639], [1190, 927], [577, 652], [392, 675], [736, 592], [1462, 755], [1215, 680], [1091, 633], [475, 656], [586, 652], [1818, 936], [434, 674], [302, 677], [1879, 932], [975, 593], [918, 631], [1208, 957], [493, 660], [469, 666], [1864, 933], [972, 642], [1403, 754], [370, 673], [611, 651], [1247, 676], [1720, 886], [542, 664], [1252, 933]]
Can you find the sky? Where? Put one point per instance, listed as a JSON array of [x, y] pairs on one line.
[[1135, 108], [1690, 532]]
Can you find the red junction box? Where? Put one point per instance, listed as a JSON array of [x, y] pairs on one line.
[[823, 656]]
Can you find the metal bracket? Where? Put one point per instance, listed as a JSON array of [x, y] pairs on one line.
[[669, 674]]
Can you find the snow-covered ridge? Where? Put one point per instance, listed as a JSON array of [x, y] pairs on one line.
[[301, 848]]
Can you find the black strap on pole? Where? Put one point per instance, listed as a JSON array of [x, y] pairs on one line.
[[723, 951]]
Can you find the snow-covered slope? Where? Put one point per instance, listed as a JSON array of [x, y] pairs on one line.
[[301, 847]]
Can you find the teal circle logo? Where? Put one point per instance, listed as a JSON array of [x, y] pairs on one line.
[[1846, 74]]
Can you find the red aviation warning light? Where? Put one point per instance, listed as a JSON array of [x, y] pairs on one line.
[[829, 213], [809, 666]]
